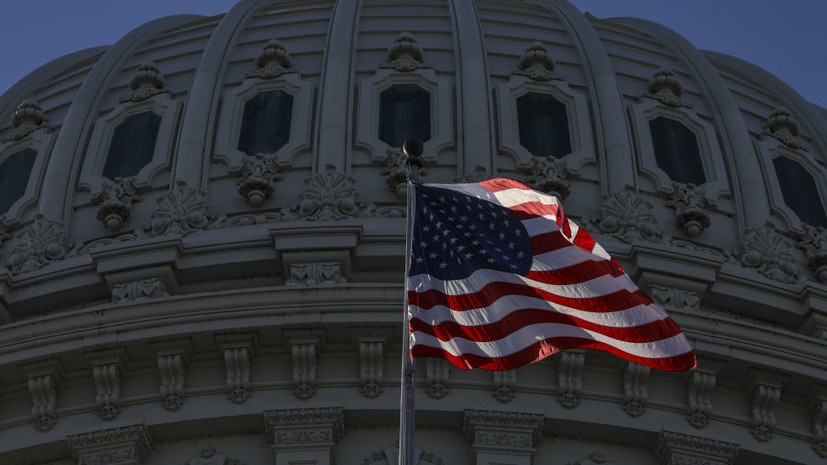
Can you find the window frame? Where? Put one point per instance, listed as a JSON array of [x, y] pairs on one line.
[[711, 157], [228, 128], [92, 178], [577, 111], [41, 141], [367, 117]]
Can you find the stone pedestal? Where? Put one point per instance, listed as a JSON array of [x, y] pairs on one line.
[[502, 438], [682, 449], [128, 445], [304, 436]]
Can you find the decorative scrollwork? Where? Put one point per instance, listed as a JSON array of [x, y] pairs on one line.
[[145, 83], [40, 244], [181, 211], [329, 195], [627, 217], [769, 253]]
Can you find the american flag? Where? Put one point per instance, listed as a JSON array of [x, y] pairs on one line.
[[500, 278]]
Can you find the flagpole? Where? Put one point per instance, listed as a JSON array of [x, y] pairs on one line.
[[412, 148]]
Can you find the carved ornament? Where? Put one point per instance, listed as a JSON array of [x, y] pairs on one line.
[[665, 88], [114, 200], [314, 274], [593, 458], [38, 245], [627, 217], [676, 448], [570, 377], [405, 55], [504, 384], [145, 83], [536, 63], [256, 178], [764, 394], [172, 367], [813, 241], [699, 389], [691, 206], [209, 456], [782, 125], [436, 374], [818, 414], [311, 426], [304, 348], [28, 118], [479, 174], [371, 366], [635, 392], [550, 175], [181, 211], [238, 352], [672, 299], [128, 444], [770, 253], [139, 290], [506, 430], [329, 195], [395, 172], [5, 228], [44, 378], [272, 61]]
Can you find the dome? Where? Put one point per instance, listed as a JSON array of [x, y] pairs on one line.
[[202, 235]]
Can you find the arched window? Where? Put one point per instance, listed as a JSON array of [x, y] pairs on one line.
[[133, 145], [14, 177], [265, 125], [404, 111], [800, 192], [544, 125], [676, 151]]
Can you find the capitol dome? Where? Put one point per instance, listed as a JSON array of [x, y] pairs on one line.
[[202, 235]]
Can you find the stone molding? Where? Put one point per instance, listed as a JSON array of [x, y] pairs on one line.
[[635, 392], [570, 377], [127, 445], [502, 431], [503, 384], [304, 427], [238, 352], [684, 449], [673, 299]]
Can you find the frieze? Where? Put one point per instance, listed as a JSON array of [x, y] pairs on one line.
[[116, 446]]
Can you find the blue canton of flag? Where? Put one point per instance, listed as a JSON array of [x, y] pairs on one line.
[[456, 234]]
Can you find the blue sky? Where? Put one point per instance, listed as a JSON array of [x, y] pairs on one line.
[[786, 37]]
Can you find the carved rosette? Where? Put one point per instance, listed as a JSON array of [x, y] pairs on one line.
[[813, 241], [436, 374], [257, 176], [145, 83], [28, 118], [40, 244], [691, 206], [769, 253], [301, 427], [665, 88], [405, 55], [114, 200], [627, 217], [328, 196], [139, 290], [536, 63], [272, 61], [676, 448], [124, 445], [549, 175], [782, 125], [181, 211], [502, 430]]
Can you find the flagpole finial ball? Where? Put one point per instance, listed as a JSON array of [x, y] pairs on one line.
[[412, 147]]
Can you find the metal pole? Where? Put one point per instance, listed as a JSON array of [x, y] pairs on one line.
[[412, 149]]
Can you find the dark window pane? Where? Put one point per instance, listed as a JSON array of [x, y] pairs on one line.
[[800, 192], [14, 177], [544, 125], [676, 151], [132, 146], [404, 111], [265, 126]]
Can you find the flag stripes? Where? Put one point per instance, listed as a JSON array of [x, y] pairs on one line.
[[574, 295]]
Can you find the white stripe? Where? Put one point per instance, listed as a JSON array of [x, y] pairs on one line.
[[540, 225], [634, 316], [525, 337], [511, 197], [597, 287]]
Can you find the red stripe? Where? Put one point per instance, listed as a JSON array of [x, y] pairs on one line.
[[577, 273], [502, 184], [519, 319], [584, 240], [549, 242], [491, 292], [542, 349], [529, 210]]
